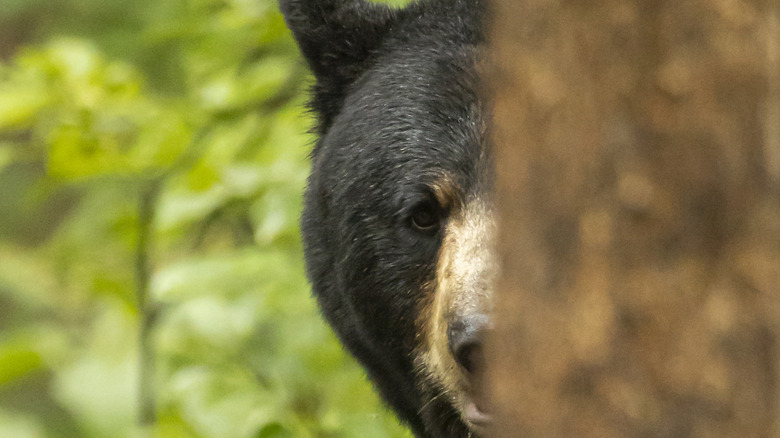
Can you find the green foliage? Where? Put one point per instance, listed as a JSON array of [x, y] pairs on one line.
[[198, 102]]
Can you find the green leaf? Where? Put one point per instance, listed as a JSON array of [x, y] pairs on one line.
[[17, 360]]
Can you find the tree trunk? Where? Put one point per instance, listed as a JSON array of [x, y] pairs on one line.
[[638, 151]]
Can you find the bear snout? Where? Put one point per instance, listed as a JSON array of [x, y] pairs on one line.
[[465, 338]]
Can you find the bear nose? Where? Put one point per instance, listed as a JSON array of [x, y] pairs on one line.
[[465, 338]]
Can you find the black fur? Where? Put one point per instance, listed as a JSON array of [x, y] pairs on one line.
[[396, 97]]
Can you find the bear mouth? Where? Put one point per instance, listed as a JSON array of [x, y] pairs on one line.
[[473, 409], [476, 418], [468, 394]]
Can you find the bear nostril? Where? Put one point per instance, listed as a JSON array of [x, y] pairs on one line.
[[469, 357], [465, 341]]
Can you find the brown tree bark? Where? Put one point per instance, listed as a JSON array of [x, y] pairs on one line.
[[638, 147]]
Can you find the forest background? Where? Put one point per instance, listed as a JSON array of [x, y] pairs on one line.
[[152, 159]]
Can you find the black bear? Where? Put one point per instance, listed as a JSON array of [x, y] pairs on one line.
[[397, 222]]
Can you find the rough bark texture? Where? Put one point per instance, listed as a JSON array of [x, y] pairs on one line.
[[638, 149]]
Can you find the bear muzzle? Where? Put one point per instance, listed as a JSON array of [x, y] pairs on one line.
[[465, 337], [457, 319]]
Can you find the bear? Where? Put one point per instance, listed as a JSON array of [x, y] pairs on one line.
[[397, 222]]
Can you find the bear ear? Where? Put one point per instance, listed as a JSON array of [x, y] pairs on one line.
[[337, 38]]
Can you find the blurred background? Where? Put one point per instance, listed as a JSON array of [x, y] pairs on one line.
[[152, 158]]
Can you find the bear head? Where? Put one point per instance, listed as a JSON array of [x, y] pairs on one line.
[[397, 221]]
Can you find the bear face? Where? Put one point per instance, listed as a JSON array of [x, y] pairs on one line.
[[397, 222]]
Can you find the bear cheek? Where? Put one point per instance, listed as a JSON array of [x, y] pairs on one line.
[[382, 286]]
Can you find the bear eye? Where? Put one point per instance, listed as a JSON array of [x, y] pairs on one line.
[[425, 217]]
